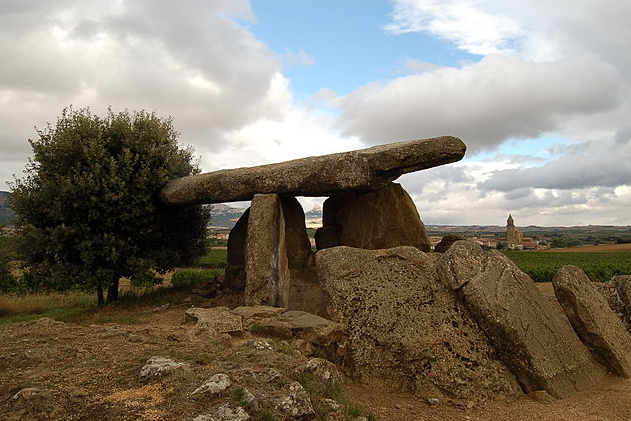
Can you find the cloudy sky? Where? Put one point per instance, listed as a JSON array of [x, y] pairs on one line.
[[538, 90]]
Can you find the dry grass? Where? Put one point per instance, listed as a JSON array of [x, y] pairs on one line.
[[40, 303], [80, 307]]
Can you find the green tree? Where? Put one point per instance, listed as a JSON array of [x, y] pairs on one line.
[[88, 207]]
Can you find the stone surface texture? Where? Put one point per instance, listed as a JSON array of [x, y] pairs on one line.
[[158, 367], [405, 328], [381, 219], [305, 292], [534, 339], [216, 320], [617, 292], [235, 270], [361, 170], [447, 241], [297, 404], [594, 322], [215, 384], [267, 272]]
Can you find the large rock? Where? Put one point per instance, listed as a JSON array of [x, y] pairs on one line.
[[617, 292], [594, 322], [305, 292], [267, 272], [447, 242], [404, 327], [235, 270], [381, 219], [531, 336], [362, 170]]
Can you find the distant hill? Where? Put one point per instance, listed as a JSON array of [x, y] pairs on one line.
[[7, 216], [223, 216]]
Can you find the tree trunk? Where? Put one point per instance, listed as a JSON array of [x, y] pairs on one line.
[[99, 294], [112, 291]]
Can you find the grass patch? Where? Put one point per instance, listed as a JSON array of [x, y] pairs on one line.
[[214, 259], [186, 277], [599, 266], [82, 308], [201, 358], [18, 308]]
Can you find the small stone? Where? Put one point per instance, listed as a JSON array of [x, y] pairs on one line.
[[158, 367], [331, 405], [323, 370], [433, 401], [227, 413], [32, 394], [216, 384], [297, 404], [270, 374], [261, 345], [216, 320], [249, 398]]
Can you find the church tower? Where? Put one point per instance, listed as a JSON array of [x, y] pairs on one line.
[[513, 237]]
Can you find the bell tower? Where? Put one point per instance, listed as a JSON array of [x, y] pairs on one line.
[[510, 230]]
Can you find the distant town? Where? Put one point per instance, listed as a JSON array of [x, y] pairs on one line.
[[488, 236], [508, 236]]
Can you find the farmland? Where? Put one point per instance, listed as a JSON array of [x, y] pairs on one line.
[[598, 265]]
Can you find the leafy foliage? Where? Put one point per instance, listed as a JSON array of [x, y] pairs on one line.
[[599, 266], [88, 207]]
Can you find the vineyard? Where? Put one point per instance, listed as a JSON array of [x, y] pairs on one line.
[[599, 266]]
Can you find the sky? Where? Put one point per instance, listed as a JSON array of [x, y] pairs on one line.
[[539, 91]]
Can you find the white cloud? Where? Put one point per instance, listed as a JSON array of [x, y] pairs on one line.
[[485, 103], [463, 22], [196, 63]]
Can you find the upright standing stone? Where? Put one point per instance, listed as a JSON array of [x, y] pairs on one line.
[[267, 273], [381, 219], [305, 293], [235, 270], [594, 322], [533, 338]]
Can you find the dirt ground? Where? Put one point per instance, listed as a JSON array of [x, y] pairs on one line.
[[92, 373]]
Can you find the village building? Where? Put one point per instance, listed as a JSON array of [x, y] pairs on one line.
[[515, 239]]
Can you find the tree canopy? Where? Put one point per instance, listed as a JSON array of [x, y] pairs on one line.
[[88, 207]]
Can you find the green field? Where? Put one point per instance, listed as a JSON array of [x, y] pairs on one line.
[[214, 259], [599, 266]]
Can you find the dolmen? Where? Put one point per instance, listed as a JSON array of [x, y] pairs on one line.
[[459, 325], [269, 253]]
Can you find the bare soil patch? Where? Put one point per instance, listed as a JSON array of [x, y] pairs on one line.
[[92, 373]]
